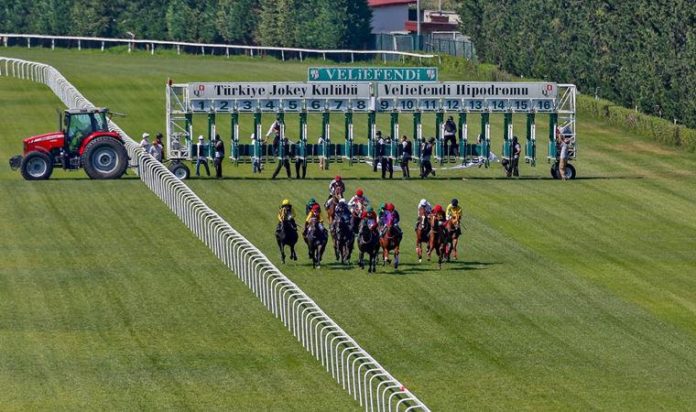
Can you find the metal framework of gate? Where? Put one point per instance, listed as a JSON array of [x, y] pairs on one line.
[[186, 101]]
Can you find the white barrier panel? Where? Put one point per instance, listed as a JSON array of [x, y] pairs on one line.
[[351, 366]]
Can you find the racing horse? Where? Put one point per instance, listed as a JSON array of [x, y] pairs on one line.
[[286, 235], [368, 242], [389, 240], [316, 238], [437, 240], [422, 233], [356, 217], [343, 238], [452, 233]]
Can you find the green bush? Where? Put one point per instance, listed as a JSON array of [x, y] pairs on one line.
[[659, 130]]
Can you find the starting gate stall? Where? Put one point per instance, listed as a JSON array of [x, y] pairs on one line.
[[350, 94]]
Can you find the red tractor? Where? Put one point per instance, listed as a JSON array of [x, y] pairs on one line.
[[85, 142]]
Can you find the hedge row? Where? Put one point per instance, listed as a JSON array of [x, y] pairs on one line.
[[659, 130]]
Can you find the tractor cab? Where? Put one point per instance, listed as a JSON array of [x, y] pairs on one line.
[[81, 124]]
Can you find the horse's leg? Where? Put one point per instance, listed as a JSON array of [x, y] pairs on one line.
[[282, 250], [293, 255], [396, 257], [361, 262], [455, 241]]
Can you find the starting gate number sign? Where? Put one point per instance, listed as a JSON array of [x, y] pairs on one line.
[[475, 97]]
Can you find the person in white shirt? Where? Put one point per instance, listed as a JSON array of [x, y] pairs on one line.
[[156, 151], [145, 143], [201, 157]]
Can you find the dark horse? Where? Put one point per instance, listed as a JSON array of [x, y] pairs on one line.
[[389, 240], [286, 235], [437, 241], [316, 239], [368, 242], [422, 234], [343, 239]]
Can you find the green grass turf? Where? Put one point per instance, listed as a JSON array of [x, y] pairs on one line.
[[108, 302], [567, 295]]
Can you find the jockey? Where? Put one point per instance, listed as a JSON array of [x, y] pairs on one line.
[[424, 209], [358, 199], [314, 217], [439, 214], [342, 210], [310, 204], [391, 211], [285, 211], [454, 211], [369, 217], [380, 212], [335, 184]]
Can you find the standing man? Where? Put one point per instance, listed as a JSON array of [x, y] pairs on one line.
[[450, 136], [201, 157], [516, 151], [387, 161], [299, 153], [275, 131], [156, 150], [563, 155], [406, 154], [219, 156], [427, 153], [158, 140], [283, 158], [379, 152], [145, 143]]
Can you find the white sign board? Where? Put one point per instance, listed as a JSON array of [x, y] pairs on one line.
[[231, 91], [469, 90]]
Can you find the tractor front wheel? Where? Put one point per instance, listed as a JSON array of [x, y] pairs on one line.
[[105, 158], [37, 166], [569, 171], [180, 170]]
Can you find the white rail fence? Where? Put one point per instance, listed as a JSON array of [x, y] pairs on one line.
[[282, 52], [351, 366]]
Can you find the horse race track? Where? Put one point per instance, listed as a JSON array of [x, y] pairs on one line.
[[566, 295]]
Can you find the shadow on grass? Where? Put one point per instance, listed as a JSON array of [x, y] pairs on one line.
[[409, 268]]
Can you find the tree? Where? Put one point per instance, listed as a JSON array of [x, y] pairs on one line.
[[237, 20], [180, 21]]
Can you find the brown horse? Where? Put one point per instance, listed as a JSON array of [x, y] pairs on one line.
[[452, 233], [422, 233], [389, 240], [437, 241]]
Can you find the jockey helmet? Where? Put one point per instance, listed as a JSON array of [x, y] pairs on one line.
[[390, 207], [285, 202], [359, 192], [382, 206], [337, 178], [312, 200], [316, 207], [437, 209], [422, 203], [370, 209], [455, 202], [341, 200]]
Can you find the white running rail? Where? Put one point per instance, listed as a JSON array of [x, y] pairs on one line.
[[350, 365], [152, 44]]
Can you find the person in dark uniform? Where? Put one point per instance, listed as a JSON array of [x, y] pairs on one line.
[[283, 157], [515, 157], [219, 156], [299, 154], [406, 154], [379, 151], [427, 154], [450, 136], [387, 161]]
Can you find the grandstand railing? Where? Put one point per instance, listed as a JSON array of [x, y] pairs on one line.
[[350, 365], [150, 45]]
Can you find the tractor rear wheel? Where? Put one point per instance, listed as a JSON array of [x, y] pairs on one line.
[[105, 158], [180, 170], [37, 166]]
